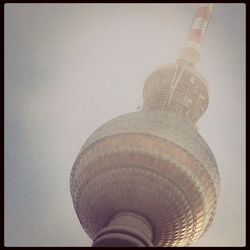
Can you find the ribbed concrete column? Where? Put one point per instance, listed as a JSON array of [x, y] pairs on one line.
[[125, 230]]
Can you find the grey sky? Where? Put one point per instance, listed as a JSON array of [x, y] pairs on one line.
[[71, 67]]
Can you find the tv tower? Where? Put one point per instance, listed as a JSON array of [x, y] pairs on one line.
[[148, 178]]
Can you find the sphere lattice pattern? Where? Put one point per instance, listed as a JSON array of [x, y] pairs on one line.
[[151, 164]]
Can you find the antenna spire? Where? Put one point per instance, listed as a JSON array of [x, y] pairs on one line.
[[191, 53]]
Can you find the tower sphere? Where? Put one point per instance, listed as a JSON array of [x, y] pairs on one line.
[[148, 178]]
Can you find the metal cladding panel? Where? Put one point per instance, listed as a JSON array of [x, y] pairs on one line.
[[167, 128]]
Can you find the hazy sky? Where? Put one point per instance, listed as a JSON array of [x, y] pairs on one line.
[[71, 67]]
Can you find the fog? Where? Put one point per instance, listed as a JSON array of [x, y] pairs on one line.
[[71, 67]]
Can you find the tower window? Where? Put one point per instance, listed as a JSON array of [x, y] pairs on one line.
[[192, 79]]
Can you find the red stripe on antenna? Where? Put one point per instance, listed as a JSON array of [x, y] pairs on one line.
[[195, 35], [203, 12]]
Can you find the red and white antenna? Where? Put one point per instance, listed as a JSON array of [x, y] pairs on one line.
[[196, 35]]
